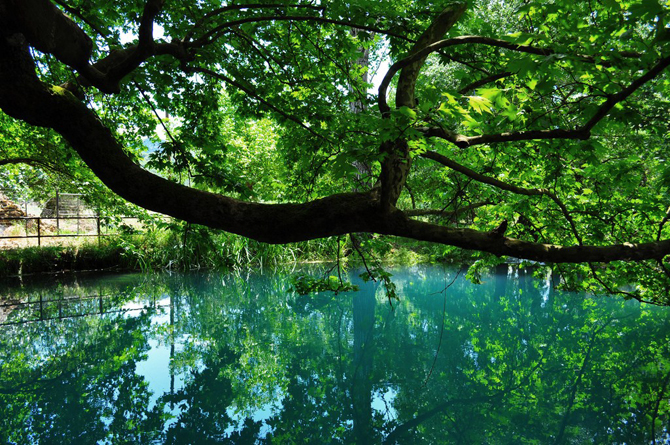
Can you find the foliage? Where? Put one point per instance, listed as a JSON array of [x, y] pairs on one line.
[[32, 260], [168, 246], [305, 284]]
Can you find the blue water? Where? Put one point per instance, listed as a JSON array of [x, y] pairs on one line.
[[205, 358]]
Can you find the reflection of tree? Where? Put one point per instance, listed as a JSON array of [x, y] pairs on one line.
[[86, 393], [203, 403], [532, 365], [361, 387], [517, 363]]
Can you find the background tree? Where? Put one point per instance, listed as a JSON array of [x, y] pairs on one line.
[[533, 130]]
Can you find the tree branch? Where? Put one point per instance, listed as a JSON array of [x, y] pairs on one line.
[[445, 213], [463, 40], [212, 35], [145, 34], [483, 81], [463, 141], [397, 162], [505, 186], [228, 8], [583, 132], [626, 92], [504, 246]]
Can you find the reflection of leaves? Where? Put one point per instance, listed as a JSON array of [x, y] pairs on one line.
[[305, 304], [378, 273], [512, 359], [304, 284], [247, 435], [68, 396], [204, 402]]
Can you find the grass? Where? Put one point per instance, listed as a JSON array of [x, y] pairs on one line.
[[183, 247], [180, 246]]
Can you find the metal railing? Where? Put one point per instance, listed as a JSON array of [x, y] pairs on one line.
[[61, 308], [38, 231]]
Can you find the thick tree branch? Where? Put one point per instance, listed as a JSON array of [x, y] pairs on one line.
[[48, 30], [145, 33], [397, 162], [504, 246], [410, 71]]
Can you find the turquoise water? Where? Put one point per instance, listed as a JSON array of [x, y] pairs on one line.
[[213, 358]]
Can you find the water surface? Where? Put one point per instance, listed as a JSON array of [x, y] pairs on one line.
[[215, 358]]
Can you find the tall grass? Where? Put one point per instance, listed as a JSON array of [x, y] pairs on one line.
[[180, 246], [183, 246], [177, 246]]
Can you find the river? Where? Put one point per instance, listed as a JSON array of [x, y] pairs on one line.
[[201, 358]]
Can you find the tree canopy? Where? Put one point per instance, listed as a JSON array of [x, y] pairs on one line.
[[536, 130]]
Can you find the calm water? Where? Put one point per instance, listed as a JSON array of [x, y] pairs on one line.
[[212, 358]]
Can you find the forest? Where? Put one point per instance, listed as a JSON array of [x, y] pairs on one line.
[[524, 130]]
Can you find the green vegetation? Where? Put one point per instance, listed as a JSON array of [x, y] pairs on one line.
[[181, 246], [186, 249], [514, 129]]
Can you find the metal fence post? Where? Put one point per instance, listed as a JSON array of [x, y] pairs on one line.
[[57, 212], [98, 224], [39, 234]]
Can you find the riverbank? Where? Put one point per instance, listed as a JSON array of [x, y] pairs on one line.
[[204, 250]]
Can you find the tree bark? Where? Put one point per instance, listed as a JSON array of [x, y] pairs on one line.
[[397, 162]]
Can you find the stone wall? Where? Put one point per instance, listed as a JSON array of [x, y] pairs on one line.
[[9, 210]]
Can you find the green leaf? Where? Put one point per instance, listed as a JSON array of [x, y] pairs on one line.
[[480, 104]]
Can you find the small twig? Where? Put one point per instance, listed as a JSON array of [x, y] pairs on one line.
[[611, 291], [354, 242], [167, 131], [444, 312], [339, 271]]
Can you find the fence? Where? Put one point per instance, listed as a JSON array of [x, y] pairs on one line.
[[67, 307], [40, 228]]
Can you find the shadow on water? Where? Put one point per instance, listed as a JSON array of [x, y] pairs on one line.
[[212, 358]]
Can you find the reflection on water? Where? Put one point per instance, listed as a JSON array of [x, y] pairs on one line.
[[211, 358]]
